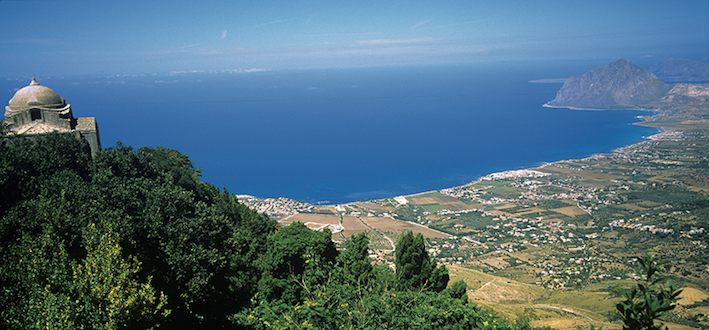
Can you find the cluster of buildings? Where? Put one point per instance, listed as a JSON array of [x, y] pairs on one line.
[[275, 207]]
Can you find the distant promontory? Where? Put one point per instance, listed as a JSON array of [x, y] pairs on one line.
[[624, 85], [618, 85]]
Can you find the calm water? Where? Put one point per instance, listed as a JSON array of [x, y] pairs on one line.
[[337, 136]]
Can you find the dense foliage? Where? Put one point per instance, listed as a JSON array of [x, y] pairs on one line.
[[414, 269], [132, 239], [128, 239]]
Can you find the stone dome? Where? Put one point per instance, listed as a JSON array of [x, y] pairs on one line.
[[36, 96]]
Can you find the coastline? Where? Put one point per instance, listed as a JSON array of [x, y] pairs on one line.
[[547, 105], [660, 135], [300, 207]]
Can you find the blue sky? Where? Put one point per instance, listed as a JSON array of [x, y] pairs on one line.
[[65, 37]]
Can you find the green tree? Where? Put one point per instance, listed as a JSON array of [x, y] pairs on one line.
[[355, 261], [65, 283], [458, 290], [414, 269], [108, 282], [331, 301], [25, 163], [196, 246], [289, 252], [650, 299], [200, 246], [102, 292], [329, 304]]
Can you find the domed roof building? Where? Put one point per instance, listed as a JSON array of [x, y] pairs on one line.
[[36, 95], [36, 109]]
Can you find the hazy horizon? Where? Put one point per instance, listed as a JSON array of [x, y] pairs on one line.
[[84, 37], [466, 71]]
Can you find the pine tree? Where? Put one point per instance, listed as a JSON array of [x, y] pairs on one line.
[[414, 269], [355, 260]]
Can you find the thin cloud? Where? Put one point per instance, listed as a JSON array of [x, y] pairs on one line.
[[453, 24], [223, 34], [421, 23], [268, 23], [341, 34], [209, 52], [393, 41]]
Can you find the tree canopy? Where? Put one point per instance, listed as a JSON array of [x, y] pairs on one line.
[[132, 239], [183, 253], [414, 269]]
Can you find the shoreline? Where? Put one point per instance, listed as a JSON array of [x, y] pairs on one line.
[[644, 121], [547, 105], [653, 137]]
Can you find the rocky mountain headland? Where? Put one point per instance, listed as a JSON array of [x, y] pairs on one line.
[[625, 85]]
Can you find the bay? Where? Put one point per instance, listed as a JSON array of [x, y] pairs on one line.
[[343, 135]]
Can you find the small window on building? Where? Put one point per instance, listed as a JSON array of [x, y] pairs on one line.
[[36, 114]]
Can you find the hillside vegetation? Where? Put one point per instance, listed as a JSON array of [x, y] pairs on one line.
[[131, 239]]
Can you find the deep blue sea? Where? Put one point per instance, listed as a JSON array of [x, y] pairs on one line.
[[336, 136]]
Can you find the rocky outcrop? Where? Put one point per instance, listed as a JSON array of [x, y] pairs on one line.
[[684, 96], [618, 85]]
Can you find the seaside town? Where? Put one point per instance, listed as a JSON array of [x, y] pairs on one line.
[[571, 228], [576, 211]]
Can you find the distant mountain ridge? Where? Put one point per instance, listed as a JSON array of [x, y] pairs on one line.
[[618, 85], [681, 70], [683, 97]]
